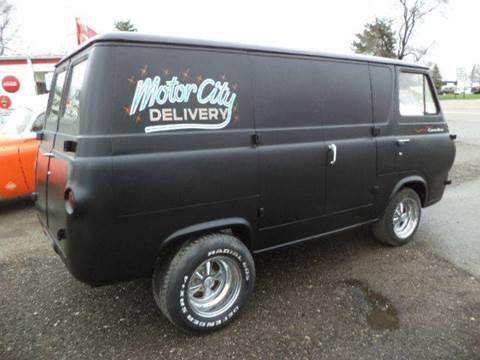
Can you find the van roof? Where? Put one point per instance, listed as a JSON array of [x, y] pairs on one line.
[[129, 37]]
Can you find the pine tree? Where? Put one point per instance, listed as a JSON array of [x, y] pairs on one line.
[[437, 77], [378, 38], [125, 26]]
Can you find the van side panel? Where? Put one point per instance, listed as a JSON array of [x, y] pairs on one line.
[[87, 233], [288, 110], [428, 153], [168, 179], [302, 106], [348, 125]]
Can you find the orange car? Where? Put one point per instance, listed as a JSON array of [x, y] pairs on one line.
[[18, 149]]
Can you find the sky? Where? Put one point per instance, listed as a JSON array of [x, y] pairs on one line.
[[48, 26]]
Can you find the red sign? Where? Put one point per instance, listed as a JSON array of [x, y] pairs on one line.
[[11, 84], [5, 102]]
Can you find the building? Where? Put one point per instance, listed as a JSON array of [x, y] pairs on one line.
[[24, 77]]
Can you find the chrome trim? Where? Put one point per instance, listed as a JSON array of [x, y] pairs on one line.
[[402, 141]]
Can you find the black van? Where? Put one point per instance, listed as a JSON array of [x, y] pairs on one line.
[[181, 159]]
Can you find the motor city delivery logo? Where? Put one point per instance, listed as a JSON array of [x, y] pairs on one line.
[[174, 104]]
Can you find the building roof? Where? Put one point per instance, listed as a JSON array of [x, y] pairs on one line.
[[35, 59], [132, 37]]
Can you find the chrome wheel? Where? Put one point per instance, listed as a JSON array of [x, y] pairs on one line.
[[214, 286], [405, 218]]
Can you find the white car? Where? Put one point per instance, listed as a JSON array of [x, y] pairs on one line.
[[447, 89], [461, 91], [24, 120]]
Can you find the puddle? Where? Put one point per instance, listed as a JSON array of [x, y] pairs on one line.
[[382, 314]]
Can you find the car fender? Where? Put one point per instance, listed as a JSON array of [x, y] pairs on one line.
[[12, 179], [411, 179], [194, 230]]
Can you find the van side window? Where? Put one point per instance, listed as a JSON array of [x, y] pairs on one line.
[[52, 117], [415, 95], [70, 118]]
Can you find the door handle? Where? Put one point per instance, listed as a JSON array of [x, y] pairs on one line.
[[402, 141], [333, 149], [48, 154]]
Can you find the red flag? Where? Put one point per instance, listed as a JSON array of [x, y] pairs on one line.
[[83, 31]]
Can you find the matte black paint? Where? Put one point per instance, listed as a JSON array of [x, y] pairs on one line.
[[138, 194]]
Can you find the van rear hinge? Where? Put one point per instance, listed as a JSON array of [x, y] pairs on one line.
[[375, 131], [255, 139], [261, 212]]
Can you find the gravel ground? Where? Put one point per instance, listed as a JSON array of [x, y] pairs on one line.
[[344, 297]]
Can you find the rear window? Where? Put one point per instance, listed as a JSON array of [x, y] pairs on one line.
[[69, 122], [56, 101], [416, 97]]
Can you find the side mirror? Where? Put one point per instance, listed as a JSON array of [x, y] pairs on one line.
[[38, 124], [39, 135]]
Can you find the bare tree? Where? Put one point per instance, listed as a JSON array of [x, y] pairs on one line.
[[6, 10], [414, 12]]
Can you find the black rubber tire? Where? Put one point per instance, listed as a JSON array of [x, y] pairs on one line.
[[383, 229], [171, 276]]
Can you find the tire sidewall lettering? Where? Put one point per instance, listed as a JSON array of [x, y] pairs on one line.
[[184, 307]]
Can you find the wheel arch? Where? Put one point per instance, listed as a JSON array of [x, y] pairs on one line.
[[415, 182], [240, 227]]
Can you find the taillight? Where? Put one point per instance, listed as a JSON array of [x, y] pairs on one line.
[[70, 201]]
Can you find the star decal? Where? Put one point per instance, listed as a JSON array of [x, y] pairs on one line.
[[186, 74], [144, 70], [126, 109], [131, 79], [138, 119]]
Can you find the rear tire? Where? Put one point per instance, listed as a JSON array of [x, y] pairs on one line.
[[204, 285], [400, 221]]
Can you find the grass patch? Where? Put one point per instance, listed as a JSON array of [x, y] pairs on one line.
[[460, 97]]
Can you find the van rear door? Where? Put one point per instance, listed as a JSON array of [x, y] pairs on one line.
[[63, 151], [46, 146]]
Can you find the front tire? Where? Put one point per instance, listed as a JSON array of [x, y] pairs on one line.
[[206, 283], [400, 221]]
